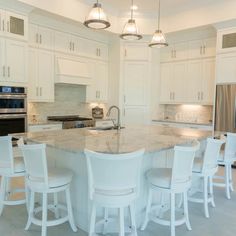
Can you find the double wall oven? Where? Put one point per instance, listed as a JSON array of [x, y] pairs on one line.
[[13, 110]]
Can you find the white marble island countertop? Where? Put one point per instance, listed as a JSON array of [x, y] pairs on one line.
[[152, 138]]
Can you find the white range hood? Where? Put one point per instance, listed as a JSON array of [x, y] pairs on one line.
[[70, 70]]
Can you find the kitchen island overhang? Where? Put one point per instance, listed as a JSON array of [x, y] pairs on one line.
[[65, 148]]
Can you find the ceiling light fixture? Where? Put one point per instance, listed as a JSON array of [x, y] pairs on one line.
[[130, 31], [158, 39], [97, 18]]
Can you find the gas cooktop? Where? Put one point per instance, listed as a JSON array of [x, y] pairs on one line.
[[68, 118]]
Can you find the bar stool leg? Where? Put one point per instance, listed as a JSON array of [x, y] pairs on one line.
[[227, 185], [70, 212], [31, 211], [105, 221], [172, 208], [185, 196], [231, 179], [55, 202], [205, 192], [92, 221], [2, 193], [122, 224], [44, 217], [148, 208], [133, 222], [211, 191]]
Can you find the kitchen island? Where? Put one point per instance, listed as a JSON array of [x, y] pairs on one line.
[[65, 148]]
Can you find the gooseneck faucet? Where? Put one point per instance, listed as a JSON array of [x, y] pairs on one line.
[[118, 115]]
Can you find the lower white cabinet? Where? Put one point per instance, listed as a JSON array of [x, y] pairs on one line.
[[46, 127], [41, 76], [226, 68], [13, 61], [98, 90]]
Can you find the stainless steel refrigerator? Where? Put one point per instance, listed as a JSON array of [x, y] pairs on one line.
[[225, 108]]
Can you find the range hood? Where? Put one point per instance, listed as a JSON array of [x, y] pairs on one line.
[[71, 70]]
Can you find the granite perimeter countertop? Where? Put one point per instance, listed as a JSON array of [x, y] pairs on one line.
[[151, 137], [183, 122]]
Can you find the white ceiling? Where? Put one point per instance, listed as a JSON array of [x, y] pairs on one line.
[[151, 6]]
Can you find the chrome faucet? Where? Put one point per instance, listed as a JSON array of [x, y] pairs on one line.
[[118, 115]]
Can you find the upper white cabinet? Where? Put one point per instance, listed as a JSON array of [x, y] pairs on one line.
[[41, 76], [41, 37], [13, 25], [226, 68], [226, 40], [174, 52], [13, 56], [202, 48], [138, 52], [98, 90]]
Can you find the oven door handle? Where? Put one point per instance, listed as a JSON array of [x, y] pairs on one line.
[[12, 116], [13, 96]]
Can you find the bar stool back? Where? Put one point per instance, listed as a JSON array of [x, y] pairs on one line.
[[40, 179], [10, 167], [113, 183]]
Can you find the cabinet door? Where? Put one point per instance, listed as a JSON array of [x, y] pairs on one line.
[[208, 81], [16, 26], [87, 48], [136, 52], [3, 75], [209, 47], [178, 81], [166, 83], [180, 51], [46, 75], [33, 91], [226, 68], [62, 42], [16, 61], [195, 49], [101, 78], [167, 54], [2, 22], [135, 83], [33, 35], [135, 115], [194, 85], [45, 38]]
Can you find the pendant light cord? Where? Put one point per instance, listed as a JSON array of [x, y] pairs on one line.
[[159, 14], [132, 9]]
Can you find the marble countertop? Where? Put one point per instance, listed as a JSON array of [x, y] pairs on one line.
[[151, 137], [47, 122], [183, 122]]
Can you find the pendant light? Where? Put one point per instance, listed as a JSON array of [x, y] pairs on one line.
[[158, 39], [97, 18], [130, 31]]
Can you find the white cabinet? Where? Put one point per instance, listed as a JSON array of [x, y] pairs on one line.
[[178, 51], [226, 40], [138, 52], [13, 61], [46, 127], [13, 25], [173, 77], [41, 37], [98, 90], [201, 81], [202, 48], [41, 76]]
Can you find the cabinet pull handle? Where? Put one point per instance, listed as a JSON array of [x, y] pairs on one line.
[[4, 71], [125, 52], [204, 49], [8, 26], [9, 71], [40, 39], [3, 25], [41, 91], [201, 50]]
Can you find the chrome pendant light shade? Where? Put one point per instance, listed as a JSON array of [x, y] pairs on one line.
[[97, 18], [130, 31], [158, 38]]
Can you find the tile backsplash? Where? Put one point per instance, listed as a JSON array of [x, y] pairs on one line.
[[69, 100], [186, 113]]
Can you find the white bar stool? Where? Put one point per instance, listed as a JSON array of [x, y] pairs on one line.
[[227, 158], [114, 181], [205, 168], [176, 180], [10, 167], [41, 180]]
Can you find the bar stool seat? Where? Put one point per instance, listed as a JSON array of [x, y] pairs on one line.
[[160, 177]]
